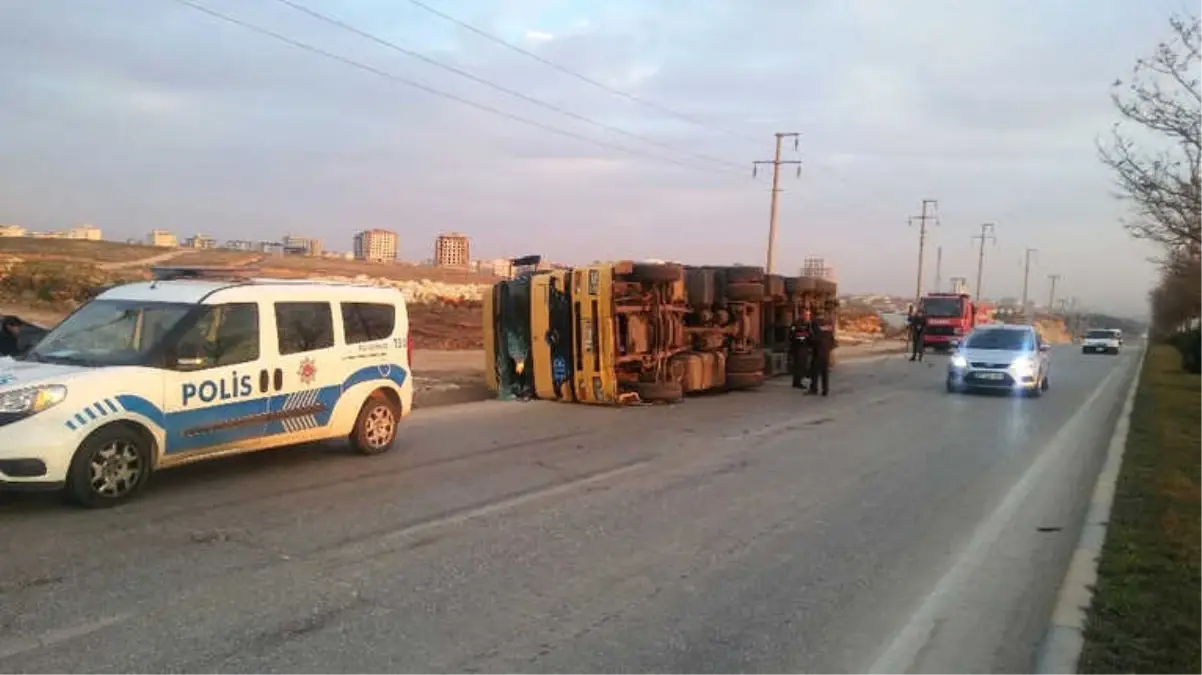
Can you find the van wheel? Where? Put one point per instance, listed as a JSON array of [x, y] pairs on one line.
[[376, 427], [110, 466]]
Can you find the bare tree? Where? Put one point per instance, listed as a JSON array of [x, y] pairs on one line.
[[1160, 176]]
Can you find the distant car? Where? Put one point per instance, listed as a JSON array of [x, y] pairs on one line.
[[1102, 341], [1001, 357]]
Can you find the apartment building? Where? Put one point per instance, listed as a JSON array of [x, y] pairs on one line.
[[163, 238], [452, 249], [375, 245]]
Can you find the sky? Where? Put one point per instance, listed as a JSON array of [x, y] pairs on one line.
[[142, 114]]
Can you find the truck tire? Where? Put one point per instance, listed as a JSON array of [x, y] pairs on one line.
[[739, 274], [745, 292], [751, 362], [744, 380], [665, 392], [654, 273]]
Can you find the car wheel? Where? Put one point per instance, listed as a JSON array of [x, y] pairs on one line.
[[952, 387], [376, 427], [110, 467]]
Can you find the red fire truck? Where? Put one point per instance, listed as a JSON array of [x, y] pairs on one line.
[[949, 317]]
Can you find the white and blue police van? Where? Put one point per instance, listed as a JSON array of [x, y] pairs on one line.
[[196, 364]]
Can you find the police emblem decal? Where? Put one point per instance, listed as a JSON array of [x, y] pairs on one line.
[[307, 371]]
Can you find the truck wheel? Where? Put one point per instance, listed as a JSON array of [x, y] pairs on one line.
[[665, 392], [744, 275], [655, 273], [376, 427], [751, 362], [110, 467], [744, 380], [745, 292]]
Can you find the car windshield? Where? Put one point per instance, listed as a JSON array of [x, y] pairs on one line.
[[1000, 339], [109, 333], [942, 307], [1100, 334]]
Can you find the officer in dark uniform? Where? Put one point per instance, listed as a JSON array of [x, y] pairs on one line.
[[10, 336], [799, 345], [822, 343], [918, 327]]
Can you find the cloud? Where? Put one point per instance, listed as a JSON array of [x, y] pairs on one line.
[[145, 114], [538, 36]]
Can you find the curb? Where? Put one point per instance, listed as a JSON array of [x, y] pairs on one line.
[[1060, 651]]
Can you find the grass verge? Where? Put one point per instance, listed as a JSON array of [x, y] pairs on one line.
[[1145, 616]]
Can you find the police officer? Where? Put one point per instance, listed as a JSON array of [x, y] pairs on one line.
[[822, 343], [799, 347], [10, 336], [918, 326]]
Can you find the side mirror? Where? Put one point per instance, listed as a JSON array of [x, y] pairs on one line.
[[1045, 347]]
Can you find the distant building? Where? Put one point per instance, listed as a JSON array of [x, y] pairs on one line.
[[817, 268], [241, 245], [162, 238], [452, 249], [306, 246], [12, 231], [201, 241], [271, 247], [375, 245], [960, 285], [498, 267], [85, 232]]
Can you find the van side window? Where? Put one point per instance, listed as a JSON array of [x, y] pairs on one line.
[[222, 335], [304, 326], [367, 321]]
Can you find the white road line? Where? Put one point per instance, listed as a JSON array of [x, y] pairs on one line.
[[17, 646], [899, 657], [1061, 648]]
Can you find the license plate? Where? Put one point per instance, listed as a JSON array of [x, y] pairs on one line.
[[991, 376]]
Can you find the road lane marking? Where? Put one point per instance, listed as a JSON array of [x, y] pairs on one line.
[[1061, 649], [17, 646], [906, 645]]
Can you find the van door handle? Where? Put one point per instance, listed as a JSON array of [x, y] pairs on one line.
[[264, 381], [278, 379]]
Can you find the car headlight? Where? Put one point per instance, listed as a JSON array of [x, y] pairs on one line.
[[958, 361], [1023, 366], [32, 400]]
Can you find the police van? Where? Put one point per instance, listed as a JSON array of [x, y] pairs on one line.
[[196, 364]]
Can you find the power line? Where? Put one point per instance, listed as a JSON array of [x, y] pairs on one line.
[[922, 239], [333, 21], [568, 71], [436, 92]]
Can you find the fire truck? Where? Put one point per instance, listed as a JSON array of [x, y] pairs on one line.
[[949, 317]]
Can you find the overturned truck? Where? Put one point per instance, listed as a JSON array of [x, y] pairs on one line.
[[626, 332]]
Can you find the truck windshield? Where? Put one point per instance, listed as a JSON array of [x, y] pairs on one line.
[[1000, 339], [109, 333], [942, 307], [1100, 335]]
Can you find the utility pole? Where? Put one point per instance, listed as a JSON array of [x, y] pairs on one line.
[[1026, 280], [922, 239], [1052, 291], [939, 269], [776, 163], [987, 230]]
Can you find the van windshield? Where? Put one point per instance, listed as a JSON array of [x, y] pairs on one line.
[[109, 333], [1101, 334]]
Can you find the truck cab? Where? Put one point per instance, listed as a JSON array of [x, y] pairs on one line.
[[949, 317]]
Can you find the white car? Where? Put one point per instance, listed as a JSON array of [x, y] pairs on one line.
[[152, 375], [1001, 357], [1102, 341]]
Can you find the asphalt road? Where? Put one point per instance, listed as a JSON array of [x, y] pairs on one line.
[[890, 527]]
